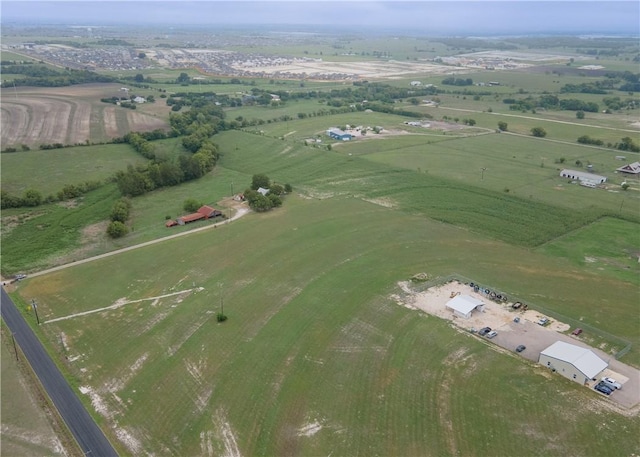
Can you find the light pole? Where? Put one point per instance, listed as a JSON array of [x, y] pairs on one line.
[[482, 175]]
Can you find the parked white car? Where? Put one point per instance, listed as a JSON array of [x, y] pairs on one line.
[[491, 334], [612, 383]]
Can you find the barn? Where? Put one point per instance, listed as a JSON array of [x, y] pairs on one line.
[[204, 212], [464, 305], [582, 176], [573, 362], [338, 134]]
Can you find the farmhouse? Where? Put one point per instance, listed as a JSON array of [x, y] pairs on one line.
[[582, 176], [338, 134], [139, 99], [573, 362], [262, 191], [464, 305], [632, 168]]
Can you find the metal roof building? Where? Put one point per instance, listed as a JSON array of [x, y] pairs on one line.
[[464, 305], [583, 176], [573, 362]]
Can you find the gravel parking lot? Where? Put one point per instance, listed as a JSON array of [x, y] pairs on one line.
[[536, 338]]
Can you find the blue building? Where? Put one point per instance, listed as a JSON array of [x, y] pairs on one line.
[[338, 134]]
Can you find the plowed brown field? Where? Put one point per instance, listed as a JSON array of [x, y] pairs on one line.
[[70, 115]]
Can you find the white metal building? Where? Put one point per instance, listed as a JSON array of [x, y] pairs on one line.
[[583, 176], [464, 305], [573, 362]]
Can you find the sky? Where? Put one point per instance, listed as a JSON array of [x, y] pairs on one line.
[[454, 17]]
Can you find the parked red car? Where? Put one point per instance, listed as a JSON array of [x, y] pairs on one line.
[[577, 332]]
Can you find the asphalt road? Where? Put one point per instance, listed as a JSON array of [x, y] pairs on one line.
[[86, 432]]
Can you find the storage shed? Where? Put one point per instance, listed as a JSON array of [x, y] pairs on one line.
[[573, 362], [464, 305]]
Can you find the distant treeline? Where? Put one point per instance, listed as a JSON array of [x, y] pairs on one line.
[[624, 81], [550, 102], [43, 76]]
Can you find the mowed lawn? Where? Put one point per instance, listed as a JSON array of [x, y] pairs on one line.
[[316, 357]]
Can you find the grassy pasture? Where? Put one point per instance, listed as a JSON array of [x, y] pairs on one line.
[[617, 257], [49, 171], [314, 342], [39, 237], [518, 219], [527, 166]]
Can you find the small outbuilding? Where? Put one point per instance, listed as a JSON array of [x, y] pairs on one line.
[[464, 305], [573, 362]]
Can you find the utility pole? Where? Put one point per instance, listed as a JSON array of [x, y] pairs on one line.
[[482, 175], [34, 305], [13, 338]]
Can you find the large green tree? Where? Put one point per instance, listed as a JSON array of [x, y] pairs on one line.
[[538, 132], [260, 180]]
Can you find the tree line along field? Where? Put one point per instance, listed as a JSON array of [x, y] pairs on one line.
[[317, 357]]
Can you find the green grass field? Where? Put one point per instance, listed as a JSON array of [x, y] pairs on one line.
[[316, 357], [49, 171]]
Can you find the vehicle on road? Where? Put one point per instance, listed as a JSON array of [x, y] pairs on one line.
[[492, 334], [483, 331], [20, 276], [521, 348], [612, 383], [577, 332], [603, 388]]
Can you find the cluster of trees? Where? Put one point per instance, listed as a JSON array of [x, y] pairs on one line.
[[198, 125], [262, 203], [586, 139], [550, 102], [626, 144], [119, 215], [453, 81], [42, 76], [33, 197], [616, 103], [596, 87]]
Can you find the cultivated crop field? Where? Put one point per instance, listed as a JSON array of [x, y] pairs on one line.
[[69, 115]]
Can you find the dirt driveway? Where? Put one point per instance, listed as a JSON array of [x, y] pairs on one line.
[[536, 338]]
